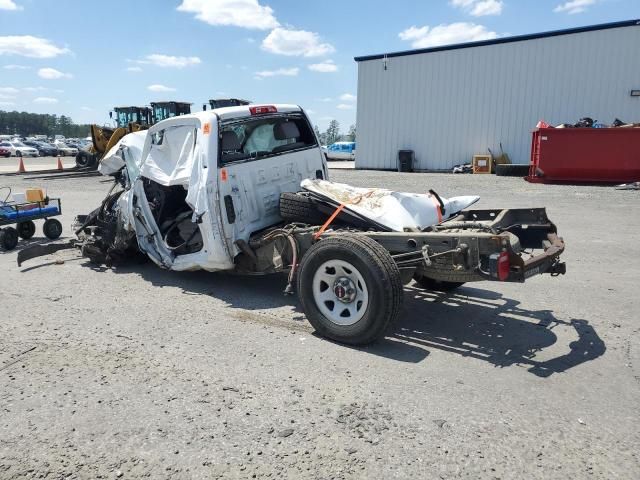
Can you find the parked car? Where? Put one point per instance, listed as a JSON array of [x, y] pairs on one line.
[[74, 144], [341, 151], [64, 149], [44, 149], [19, 149], [5, 151]]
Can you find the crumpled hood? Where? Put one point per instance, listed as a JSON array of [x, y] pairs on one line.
[[395, 210], [127, 151]]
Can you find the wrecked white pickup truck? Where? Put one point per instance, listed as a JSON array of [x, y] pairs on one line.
[[246, 189]]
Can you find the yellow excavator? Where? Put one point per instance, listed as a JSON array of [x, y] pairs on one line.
[[127, 120]]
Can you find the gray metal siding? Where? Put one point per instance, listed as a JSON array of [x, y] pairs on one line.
[[450, 105]]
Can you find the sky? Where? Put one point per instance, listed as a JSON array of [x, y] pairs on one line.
[[83, 57]]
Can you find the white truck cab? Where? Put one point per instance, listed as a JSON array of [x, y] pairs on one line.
[[201, 184]]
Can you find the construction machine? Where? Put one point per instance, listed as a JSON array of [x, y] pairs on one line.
[[227, 102], [127, 120]]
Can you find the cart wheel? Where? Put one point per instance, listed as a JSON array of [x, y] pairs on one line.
[[8, 238], [52, 228], [26, 229], [350, 289]]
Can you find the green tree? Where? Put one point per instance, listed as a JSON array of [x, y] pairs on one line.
[[322, 137], [352, 133], [26, 124], [333, 132]]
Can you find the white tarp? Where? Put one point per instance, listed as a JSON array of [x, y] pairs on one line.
[[395, 210]]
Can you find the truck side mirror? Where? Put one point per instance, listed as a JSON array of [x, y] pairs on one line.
[[204, 107], [110, 115]]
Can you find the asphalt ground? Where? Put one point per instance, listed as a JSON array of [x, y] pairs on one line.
[[136, 372]]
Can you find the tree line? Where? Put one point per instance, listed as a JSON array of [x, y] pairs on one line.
[[332, 134], [25, 124]]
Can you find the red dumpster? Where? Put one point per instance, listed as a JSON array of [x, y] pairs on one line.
[[593, 155]]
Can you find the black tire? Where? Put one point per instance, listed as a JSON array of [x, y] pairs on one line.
[[85, 160], [300, 208], [381, 277], [18, 153], [52, 228], [26, 230], [8, 238], [510, 170], [436, 285]]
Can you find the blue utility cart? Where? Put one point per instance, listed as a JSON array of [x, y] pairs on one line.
[[22, 215]]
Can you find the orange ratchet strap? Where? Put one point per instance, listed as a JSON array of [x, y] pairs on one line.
[[329, 220]]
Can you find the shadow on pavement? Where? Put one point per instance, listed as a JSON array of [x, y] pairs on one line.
[[471, 322], [485, 325]]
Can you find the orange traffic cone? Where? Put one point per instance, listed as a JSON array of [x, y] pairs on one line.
[[21, 168], [60, 166]]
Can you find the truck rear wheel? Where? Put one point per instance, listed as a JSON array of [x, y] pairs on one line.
[[436, 285], [350, 289]]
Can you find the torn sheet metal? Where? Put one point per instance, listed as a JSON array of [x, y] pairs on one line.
[[397, 211], [128, 151]]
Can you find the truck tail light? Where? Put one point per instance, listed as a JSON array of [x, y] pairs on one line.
[[500, 265], [503, 266], [262, 109]]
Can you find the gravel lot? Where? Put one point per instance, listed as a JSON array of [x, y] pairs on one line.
[[140, 373]]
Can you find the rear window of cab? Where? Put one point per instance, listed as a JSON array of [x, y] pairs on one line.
[[252, 138]]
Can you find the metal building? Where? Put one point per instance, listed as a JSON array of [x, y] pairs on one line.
[[449, 103]]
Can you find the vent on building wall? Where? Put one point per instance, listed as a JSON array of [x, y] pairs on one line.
[[635, 93]]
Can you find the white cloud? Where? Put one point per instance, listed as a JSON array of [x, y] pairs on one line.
[[288, 42], [459, 32], [9, 90], [348, 97], [238, 13], [86, 109], [170, 61], [281, 72], [328, 66], [344, 106], [325, 99], [309, 111], [7, 104], [34, 89], [52, 74], [29, 46], [47, 100], [160, 88], [479, 8], [574, 6], [134, 69], [9, 5], [16, 67]]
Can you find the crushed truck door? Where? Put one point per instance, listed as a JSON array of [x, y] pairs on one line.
[[175, 166]]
